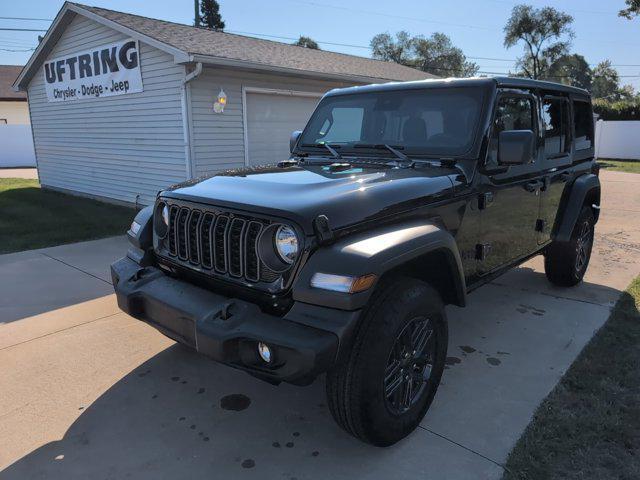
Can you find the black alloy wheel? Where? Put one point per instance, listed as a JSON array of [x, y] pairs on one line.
[[409, 365], [584, 243]]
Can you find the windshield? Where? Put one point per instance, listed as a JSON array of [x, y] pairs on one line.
[[433, 121]]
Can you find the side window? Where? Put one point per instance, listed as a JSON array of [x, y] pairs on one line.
[[583, 120], [345, 125], [512, 113], [557, 139]]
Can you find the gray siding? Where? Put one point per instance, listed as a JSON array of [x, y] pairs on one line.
[[115, 147], [218, 139]]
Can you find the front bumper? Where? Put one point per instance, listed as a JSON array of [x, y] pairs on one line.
[[305, 341]]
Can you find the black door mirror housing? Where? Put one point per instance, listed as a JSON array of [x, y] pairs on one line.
[[515, 147], [295, 135]]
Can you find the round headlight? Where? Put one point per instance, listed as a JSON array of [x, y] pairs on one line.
[[161, 219], [165, 215], [286, 242]]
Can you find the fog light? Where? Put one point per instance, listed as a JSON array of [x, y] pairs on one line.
[[265, 352]]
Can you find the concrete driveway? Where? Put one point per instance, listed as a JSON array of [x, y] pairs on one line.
[[88, 392]]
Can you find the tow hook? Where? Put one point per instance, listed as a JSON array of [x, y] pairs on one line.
[[224, 312]]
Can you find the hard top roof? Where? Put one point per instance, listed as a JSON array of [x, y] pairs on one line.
[[505, 82]]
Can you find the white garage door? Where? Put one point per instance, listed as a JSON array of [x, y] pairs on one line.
[[270, 120]]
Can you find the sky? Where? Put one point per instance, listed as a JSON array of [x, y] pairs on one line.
[[476, 26]]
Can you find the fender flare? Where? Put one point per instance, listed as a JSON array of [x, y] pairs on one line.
[[378, 252], [143, 238], [583, 187]]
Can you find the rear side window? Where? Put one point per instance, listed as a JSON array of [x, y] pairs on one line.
[[583, 120], [555, 113]]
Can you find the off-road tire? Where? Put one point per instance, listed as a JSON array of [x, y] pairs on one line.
[[565, 263], [355, 387]]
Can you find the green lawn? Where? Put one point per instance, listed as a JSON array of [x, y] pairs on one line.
[[629, 166], [589, 426], [33, 218]]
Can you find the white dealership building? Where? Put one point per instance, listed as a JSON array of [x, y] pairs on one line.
[[122, 106]]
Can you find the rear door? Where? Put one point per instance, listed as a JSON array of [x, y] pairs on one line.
[[509, 196], [557, 153]]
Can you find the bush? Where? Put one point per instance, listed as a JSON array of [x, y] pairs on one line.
[[620, 110]]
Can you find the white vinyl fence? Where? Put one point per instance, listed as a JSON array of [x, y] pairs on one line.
[[16, 146], [618, 139]]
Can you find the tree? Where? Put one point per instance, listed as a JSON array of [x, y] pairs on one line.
[[210, 15], [538, 28], [606, 82], [436, 54], [570, 70], [307, 42], [632, 10], [627, 93], [606, 85], [400, 50]]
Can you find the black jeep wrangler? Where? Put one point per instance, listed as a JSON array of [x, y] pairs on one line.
[[398, 199]]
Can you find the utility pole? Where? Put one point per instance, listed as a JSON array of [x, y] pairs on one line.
[[196, 5]]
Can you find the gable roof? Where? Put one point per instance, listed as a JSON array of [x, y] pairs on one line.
[[8, 75], [194, 44]]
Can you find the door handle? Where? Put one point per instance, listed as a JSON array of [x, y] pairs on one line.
[[533, 186]]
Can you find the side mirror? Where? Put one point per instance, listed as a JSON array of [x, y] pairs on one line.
[[515, 147], [294, 139]]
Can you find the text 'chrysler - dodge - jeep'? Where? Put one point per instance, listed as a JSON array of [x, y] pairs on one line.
[[398, 199]]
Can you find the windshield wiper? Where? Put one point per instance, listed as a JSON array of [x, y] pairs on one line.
[[323, 145], [381, 146]]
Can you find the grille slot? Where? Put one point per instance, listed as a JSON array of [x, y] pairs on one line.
[[181, 233], [206, 247], [235, 247], [221, 242], [251, 259], [194, 236], [173, 213]]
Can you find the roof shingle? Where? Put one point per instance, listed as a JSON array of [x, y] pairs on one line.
[[8, 75], [202, 41]]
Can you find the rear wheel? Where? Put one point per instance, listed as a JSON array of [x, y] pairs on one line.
[[383, 389], [566, 263]]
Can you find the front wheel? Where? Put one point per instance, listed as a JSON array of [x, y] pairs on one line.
[[566, 263], [384, 387]]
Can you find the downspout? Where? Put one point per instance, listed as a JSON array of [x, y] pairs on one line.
[[185, 99]]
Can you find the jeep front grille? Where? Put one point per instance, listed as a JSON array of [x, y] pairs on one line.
[[217, 241]]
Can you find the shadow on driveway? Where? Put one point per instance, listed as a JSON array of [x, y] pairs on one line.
[[179, 415]]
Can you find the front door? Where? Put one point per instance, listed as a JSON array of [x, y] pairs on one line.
[[510, 196]]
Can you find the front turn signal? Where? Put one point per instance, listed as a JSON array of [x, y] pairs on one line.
[[342, 283]]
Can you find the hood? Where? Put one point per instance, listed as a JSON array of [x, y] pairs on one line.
[[302, 192]]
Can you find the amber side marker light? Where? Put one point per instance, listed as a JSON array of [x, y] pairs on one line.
[[342, 283]]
